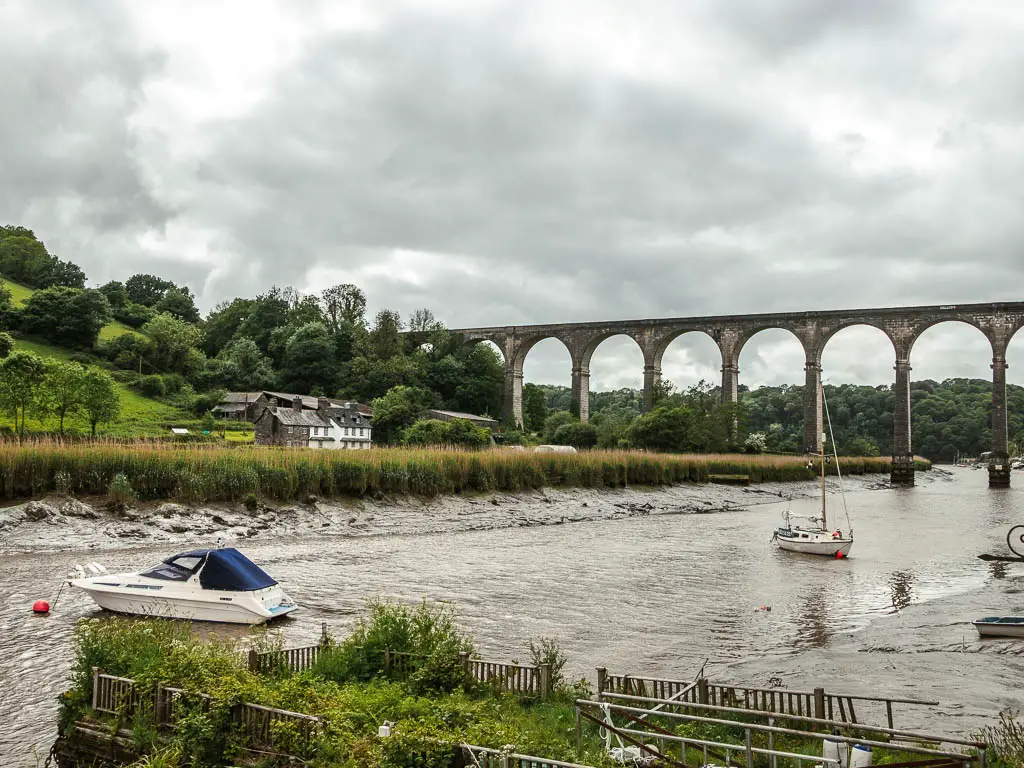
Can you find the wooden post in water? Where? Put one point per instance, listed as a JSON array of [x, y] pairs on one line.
[[602, 680], [819, 704], [545, 680]]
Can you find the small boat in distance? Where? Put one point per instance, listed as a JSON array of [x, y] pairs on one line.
[[816, 538], [203, 585], [1000, 626]]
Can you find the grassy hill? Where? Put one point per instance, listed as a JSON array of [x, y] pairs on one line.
[[140, 416], [21, 293]]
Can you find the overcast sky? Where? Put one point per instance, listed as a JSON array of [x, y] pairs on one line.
[[520, 161]]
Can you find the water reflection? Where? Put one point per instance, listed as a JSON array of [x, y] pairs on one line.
[[813, 622], [998, 569], [901, 589]]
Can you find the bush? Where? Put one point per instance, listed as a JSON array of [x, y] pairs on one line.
[[424, 644], [576, 434], [458, 432], [120, 493], [153, 386], [756, 442], [545, 650]]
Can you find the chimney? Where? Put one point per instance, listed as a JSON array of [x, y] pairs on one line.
[[323, 405], [297, 403]]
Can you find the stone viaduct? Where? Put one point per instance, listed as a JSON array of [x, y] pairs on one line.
[[902, 325]]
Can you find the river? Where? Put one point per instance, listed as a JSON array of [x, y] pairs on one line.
[[652, 594]]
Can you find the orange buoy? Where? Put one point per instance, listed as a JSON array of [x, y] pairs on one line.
[[40, 606]]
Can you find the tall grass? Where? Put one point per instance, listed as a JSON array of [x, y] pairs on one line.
[[204, 474]]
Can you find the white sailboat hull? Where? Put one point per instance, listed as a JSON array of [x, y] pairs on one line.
[[137, 595], [812, 542]]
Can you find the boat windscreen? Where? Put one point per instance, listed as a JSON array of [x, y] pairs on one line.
[[229, 569], [167, 571]]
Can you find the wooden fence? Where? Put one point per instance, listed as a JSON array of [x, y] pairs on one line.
[[493, 758], [257, 724], [816, 703], [518, 679]]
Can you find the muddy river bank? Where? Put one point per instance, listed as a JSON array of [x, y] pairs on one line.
[[644, 581]]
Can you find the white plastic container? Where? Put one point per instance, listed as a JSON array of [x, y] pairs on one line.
[[860, 756], [835, 750]]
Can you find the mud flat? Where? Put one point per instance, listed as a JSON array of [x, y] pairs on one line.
[[57, 523]]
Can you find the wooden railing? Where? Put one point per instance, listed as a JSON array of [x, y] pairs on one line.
[[290, 659], [486, 757], [112, 694], [257, 724], [813, 704], [519, 679], [121, 695]]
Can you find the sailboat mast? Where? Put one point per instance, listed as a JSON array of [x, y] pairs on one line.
[[821, 407]]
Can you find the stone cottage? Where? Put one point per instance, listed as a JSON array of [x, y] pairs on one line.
[[330, 425]]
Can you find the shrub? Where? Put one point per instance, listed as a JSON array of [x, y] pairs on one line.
[[545, 650], [424, 644], [120, 493], [1006, 739], [62, 481], [153, 386], [576, 434]]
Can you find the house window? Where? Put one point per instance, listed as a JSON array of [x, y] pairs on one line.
[[291, 430], [360, 431]]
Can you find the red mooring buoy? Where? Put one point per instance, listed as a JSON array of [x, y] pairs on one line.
[[40, 606], [839, 555]]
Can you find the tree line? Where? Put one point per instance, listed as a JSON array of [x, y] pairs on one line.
[[324, 344]]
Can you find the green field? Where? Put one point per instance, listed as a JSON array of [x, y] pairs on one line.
[[20, 293], [140, 416]]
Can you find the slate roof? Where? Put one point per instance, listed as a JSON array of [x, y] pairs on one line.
[[292, 418], [460, 415], [241, 397]]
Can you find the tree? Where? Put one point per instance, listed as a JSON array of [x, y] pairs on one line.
[[115, 292], [246, 368], [422, 320], [664, 429], [68, 274], [385, 341], [309, 360], [344, 303], [458, 432], [25, 259], [99, 397], [21, 376], [222, 324], [146, 290], [171, 344], [178, 302], [62, 389], [66, 316], [580, 435], [554, 420], [6, 345], [534, 408], [396, 410], [269, 311]]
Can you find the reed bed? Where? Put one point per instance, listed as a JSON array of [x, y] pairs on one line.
[[204, 474]]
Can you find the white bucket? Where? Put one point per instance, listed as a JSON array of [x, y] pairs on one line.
[[860, 756], [835, 750]]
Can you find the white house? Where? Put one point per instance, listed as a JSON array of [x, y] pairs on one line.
[[343, 427]]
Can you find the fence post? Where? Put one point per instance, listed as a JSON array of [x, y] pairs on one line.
[[158, 707], [506, 761], [702, 691], [464, 660], [888, 711], [545, 680], [602, 680], [750, 751], [95, 686], [254, 660], [387, 661], [323, 634], [819, 704]]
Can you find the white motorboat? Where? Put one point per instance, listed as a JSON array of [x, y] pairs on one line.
[[815, 538], [1000, 626], [203, 585]]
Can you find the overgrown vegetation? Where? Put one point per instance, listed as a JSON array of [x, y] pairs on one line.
[[204, 474], [433, 705]]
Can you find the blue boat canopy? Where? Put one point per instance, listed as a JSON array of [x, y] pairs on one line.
[[228, 569]]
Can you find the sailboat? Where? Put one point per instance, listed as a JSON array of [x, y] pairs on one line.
[[816, 538]]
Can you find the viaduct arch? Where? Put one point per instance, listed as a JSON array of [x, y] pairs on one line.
[[902, 325]]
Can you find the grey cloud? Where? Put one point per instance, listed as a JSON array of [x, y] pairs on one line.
[[73, 78]]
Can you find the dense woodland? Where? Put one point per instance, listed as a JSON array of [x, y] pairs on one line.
[[70, 354]]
